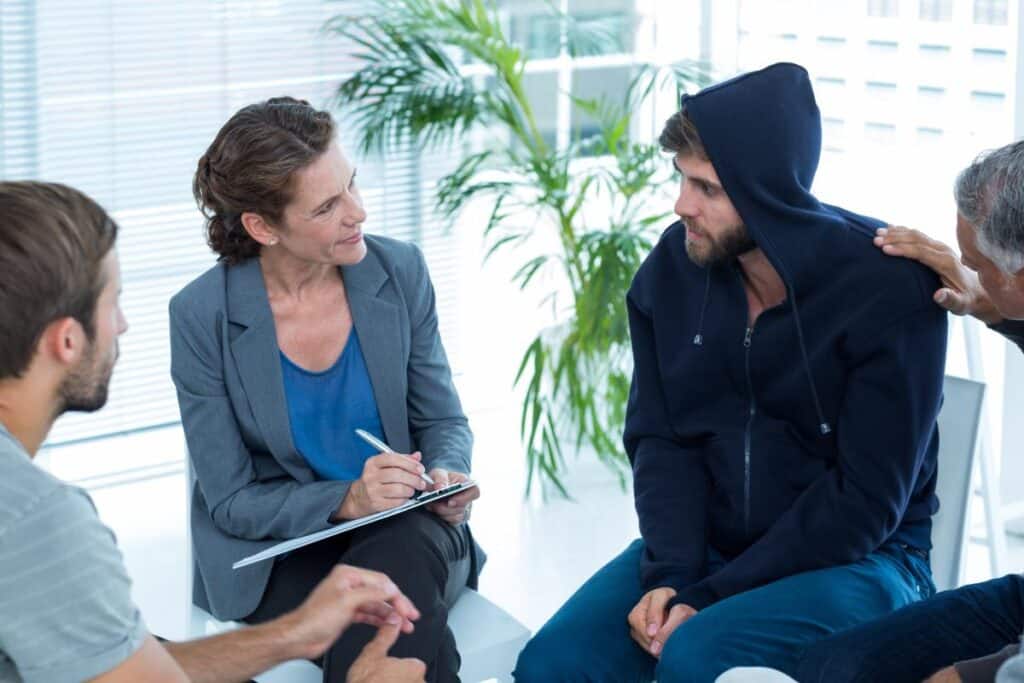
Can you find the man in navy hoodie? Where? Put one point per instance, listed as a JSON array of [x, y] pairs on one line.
[[781, 421]]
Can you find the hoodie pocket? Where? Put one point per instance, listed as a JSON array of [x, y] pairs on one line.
[[783, 467]]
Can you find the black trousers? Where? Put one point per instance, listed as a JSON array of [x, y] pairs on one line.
[[427, 558], [914, 642]]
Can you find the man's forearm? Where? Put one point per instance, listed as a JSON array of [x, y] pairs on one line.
[[235, 656]]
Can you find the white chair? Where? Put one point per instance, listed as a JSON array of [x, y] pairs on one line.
[[958, 441], [489, 639]]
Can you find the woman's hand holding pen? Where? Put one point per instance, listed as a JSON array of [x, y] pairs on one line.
[[454, 509], [388, 480]]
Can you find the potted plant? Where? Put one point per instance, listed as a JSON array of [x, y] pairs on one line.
[[412, 85]]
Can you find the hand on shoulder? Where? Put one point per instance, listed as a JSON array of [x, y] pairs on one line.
[[961, 292]]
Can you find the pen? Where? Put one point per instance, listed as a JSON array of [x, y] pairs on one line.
[[384, 448]]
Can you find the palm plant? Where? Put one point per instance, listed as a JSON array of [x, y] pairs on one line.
[[411, 86]]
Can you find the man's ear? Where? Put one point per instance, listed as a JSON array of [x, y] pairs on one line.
[[259, 229], [64, 340]]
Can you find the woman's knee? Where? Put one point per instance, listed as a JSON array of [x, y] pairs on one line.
[[407, 539]]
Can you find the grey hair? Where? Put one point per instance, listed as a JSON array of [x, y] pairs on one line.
[[990, 196]]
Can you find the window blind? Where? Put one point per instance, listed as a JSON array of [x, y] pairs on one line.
[[120, 98]]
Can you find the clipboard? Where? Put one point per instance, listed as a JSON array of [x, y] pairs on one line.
[[302, 541]]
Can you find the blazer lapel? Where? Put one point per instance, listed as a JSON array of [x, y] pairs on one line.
[[258, 361], [378, 324]]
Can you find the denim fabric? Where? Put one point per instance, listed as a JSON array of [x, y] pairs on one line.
[[915, 642], [588, 638]]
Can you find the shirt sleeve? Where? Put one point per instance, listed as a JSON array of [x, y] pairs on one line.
[[65, 595]]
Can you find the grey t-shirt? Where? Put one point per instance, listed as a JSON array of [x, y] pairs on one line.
[[66, 612]]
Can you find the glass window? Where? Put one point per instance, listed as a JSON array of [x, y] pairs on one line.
[[614, 18], [883, 47], [936, 10], [881, 92], [542, 90], [883, 8], [120, 100], [880, 133], [988, 101], [934, 54], [833, 131], [994, 12], [930, 93], [988, 57], [829, 42], [829, 85], [533, 26], [596, 84]]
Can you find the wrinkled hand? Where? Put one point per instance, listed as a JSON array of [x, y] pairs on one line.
[[961, 293], [649, 623], [454, 509], [387, 481], [347, 596], [374, 666]]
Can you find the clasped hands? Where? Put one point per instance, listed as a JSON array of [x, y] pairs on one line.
[[391, 479], [651, 625]]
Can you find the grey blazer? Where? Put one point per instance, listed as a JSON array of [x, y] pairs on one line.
[[253, 488]]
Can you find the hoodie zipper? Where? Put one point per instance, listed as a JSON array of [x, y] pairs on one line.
[[747, 435]]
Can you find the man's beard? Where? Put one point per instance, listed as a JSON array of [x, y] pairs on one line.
[[712, 251], [86, 387]]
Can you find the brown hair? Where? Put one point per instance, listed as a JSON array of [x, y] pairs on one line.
[[249, 167], [680, 136], [53, 240]]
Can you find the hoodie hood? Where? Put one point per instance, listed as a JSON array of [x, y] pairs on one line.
[[762, 133]]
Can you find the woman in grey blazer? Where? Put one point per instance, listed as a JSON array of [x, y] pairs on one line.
[[305, 330]]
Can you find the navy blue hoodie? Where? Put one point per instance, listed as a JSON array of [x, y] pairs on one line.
[[809, 440]]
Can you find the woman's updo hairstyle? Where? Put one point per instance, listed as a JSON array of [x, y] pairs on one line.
[[249, 167]]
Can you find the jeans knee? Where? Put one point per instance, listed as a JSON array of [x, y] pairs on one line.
[[688, 658]]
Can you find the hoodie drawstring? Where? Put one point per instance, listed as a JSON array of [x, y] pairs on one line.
[[698, 339], [823, 425]]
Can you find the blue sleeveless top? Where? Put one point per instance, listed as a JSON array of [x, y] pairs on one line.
[[325, 408]]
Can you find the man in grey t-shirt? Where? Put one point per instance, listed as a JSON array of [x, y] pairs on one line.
[[66, 612], [65, 609]]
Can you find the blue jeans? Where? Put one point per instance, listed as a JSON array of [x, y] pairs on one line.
[[915, 642], [588, 638]]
